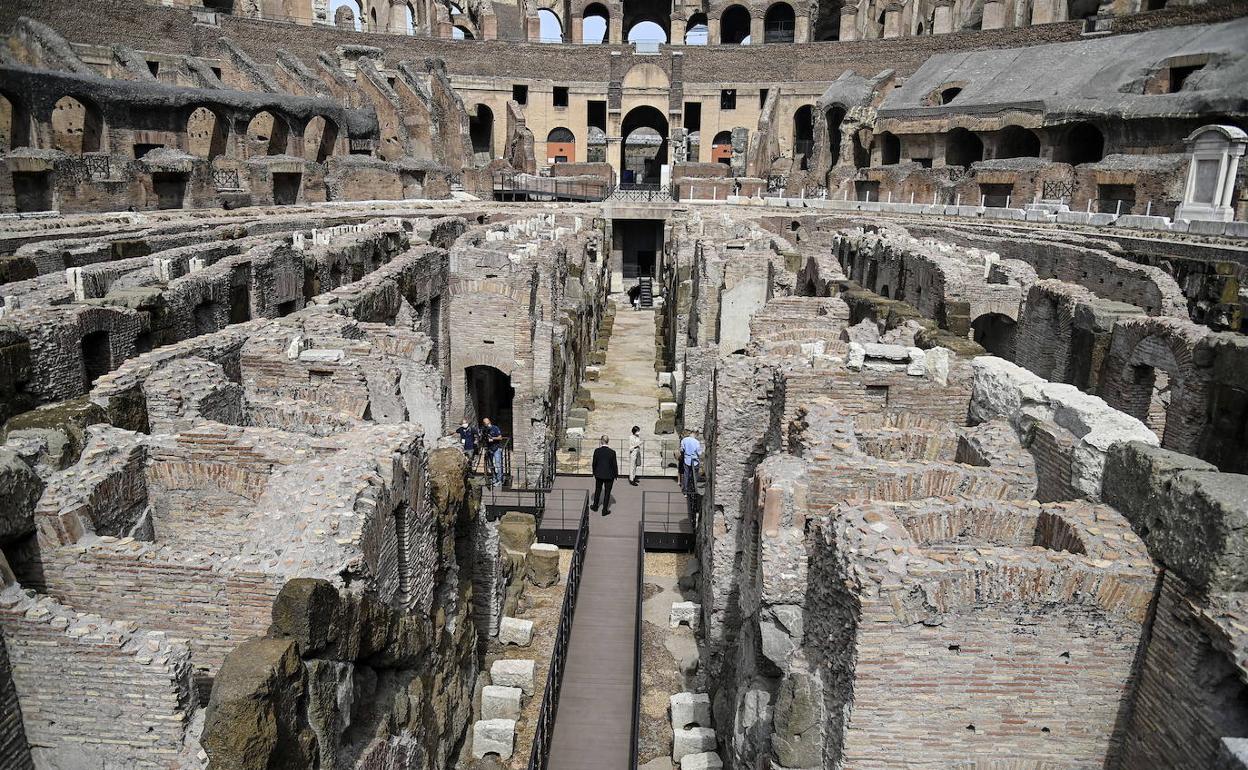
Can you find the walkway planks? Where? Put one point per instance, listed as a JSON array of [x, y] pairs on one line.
[[595, 718]]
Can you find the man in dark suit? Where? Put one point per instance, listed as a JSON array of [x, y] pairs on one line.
[[605, 471]]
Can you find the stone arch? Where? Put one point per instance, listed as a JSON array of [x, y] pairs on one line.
[[995, 332], [320, 137], [1080, 143], [588, 31], [1152, 376], [268, 133], [697, 30], [77, 126], [779, 23], [15, 123], [962, 148], [734, 26], [833, 118], [481, 133], [646, 76], [803, 135], [1018, 142], [550, 26], [645, 116], [207, 133], [638, 12], [560, 145], [890, 148]]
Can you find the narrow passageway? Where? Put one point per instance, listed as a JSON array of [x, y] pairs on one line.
[[625, 394], [594, 722]]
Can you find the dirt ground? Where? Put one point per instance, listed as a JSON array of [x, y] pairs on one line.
[[662, 648]]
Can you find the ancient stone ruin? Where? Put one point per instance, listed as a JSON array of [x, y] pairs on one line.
[[432, 385]]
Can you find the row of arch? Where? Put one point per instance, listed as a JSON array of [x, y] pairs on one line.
[[77, 126], [649, 22], [1079, 143]]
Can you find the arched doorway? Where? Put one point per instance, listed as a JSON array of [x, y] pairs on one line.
[[721, 148], [410, 23], [488, 393], [656, 12], [803, 135], [647, 31], [481, 131], [890, 148], [14, 124], [319, 138], [595, 24], [1018, 142], [649, 149], [827, 25], [596, 145], [460, 32], [550, 28], [1082, 143], [267, 134], [962, 148], [697, 31], [207, 133], [77, 127], [97, 356], [834, 117], [995, 333], [734, 26], [560, 146], [778, 24]]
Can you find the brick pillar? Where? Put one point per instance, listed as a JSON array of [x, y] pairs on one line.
[[756, 30]]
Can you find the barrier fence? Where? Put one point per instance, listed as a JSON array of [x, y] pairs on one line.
[[669, 520], [539, 758], [658, 456], [641, 565]]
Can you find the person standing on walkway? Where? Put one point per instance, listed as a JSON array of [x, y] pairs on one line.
[[690, 462], [634, 455], [468, 440], [493, 436], [605, 471]]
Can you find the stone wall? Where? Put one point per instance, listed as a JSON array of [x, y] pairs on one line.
[[341, 680]]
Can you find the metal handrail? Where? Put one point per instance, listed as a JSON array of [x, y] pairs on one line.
[[641, 562], [668, 512], [512, 183], [539, 757], [633, 191], [658, 456]]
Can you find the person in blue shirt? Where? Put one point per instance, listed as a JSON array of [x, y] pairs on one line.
[[690, 461], [493, 437]]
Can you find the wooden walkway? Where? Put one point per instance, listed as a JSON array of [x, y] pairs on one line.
[[595, 719]]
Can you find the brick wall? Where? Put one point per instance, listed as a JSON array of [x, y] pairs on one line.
[[1190, 695], [13, 744], [94, 690]]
